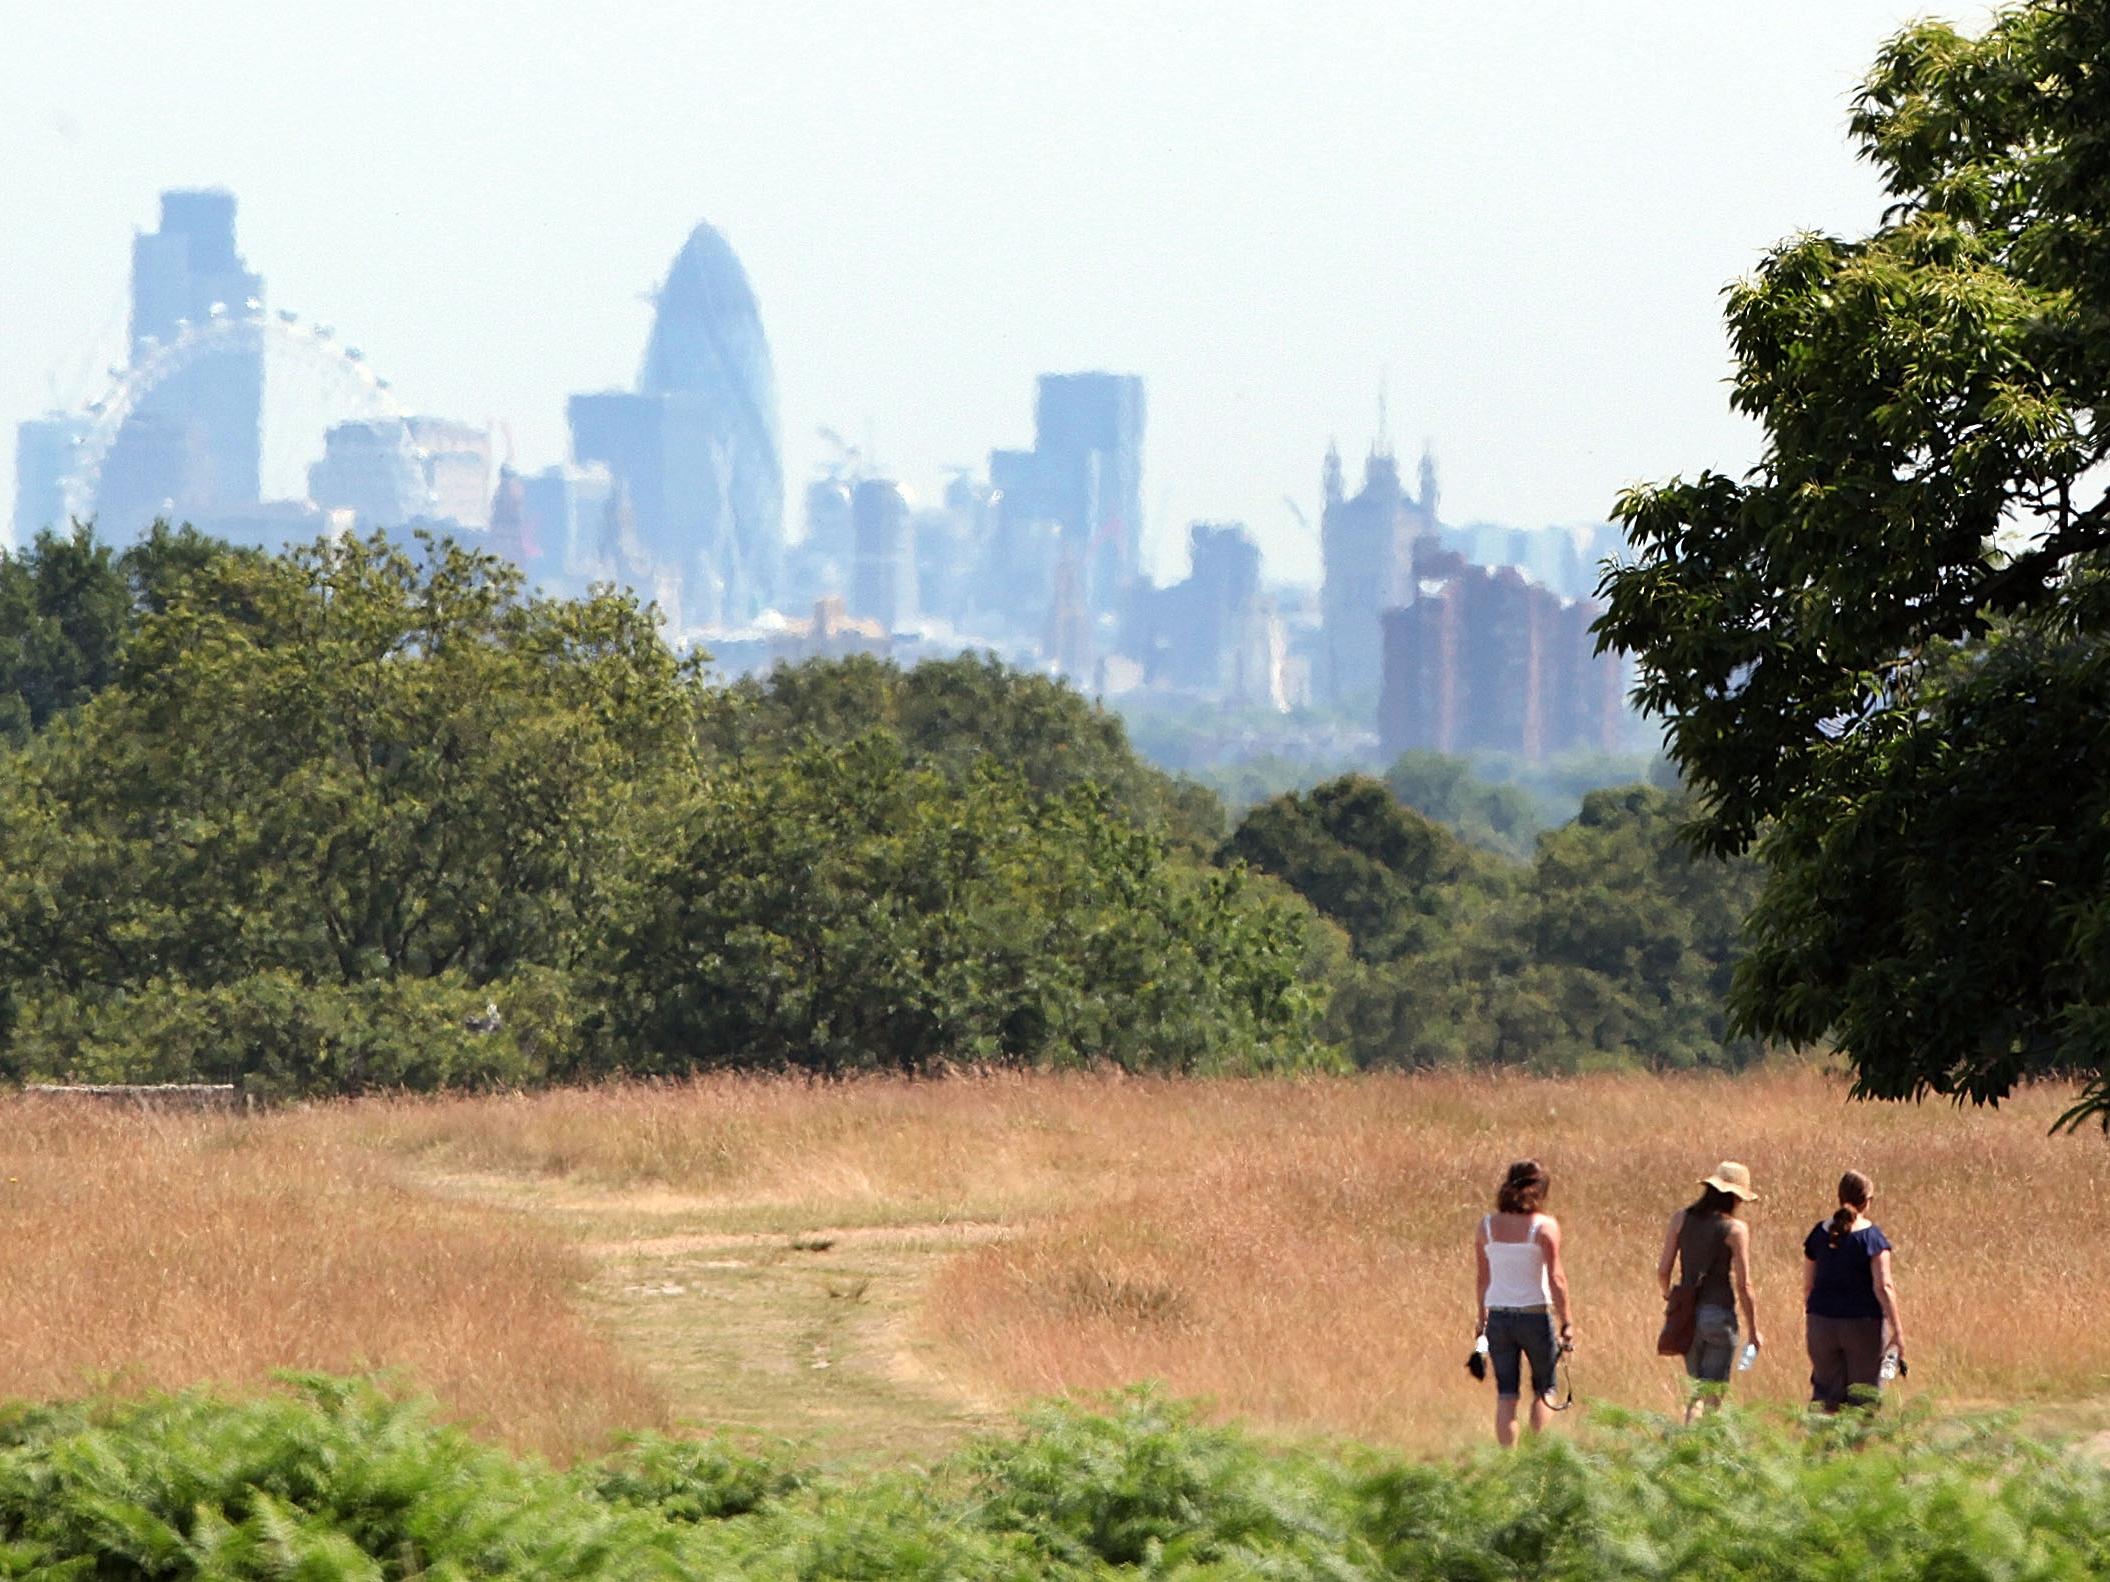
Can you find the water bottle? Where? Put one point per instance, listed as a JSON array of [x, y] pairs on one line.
[[1889, 1370], [1747, 1357]]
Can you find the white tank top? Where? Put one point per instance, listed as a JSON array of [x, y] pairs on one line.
[[1516, 1270]]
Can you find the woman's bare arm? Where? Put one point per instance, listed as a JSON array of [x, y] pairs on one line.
[[1740, 1272], [1556, 1274], [1481, 1276], [1887, 1294], [1669, 1260]]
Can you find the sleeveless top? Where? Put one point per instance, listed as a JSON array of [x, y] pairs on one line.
[[1516, 1270], [1703, 1250]]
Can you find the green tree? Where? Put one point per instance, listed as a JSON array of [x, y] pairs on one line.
[[67, 605], [948, 714], [1881, 654], [838, 909], [64, 612], [343, 764], [1497, 818], [1395, 880]]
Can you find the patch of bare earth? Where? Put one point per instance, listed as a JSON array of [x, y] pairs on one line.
[[802, 1334]]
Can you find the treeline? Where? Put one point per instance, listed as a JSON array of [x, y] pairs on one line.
[[362, 815], [342, 1483], [1612, 947]]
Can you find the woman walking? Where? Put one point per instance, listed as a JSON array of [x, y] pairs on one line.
[[1848, 1298], [1711, 1247], [1523, 1291]]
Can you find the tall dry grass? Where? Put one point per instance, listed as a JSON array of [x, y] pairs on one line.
[[160, 1250], [1296, 1251], [1304, 1258], [1299, 1252]]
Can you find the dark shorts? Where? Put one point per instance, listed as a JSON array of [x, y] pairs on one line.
[[1713, 1350], [1513, 1335], [1846, 1359]]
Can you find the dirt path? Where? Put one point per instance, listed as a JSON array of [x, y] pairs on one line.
[[804, 1333]]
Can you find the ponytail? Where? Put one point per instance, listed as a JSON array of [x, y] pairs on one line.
[[1854, 1192]]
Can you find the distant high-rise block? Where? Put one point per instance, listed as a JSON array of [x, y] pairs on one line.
[[1088, 445], [393, 471], [1486, 660], [1215, 632], [188, 268], [883, 576], [369, 469], [455, 458], [695, 446], [44, 455], [192, 448], [563, 514]]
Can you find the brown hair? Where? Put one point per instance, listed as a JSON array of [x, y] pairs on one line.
[[1713, 1202], [1854, 1192], [1523, 1189]]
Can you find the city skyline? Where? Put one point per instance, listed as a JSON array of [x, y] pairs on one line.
[[1252, 220]]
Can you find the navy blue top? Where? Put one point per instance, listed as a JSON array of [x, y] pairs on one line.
[[1846, 1279]]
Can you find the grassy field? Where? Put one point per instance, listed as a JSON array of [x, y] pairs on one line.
[[875, 1269]]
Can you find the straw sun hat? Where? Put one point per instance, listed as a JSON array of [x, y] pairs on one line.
[[1733, 1178]]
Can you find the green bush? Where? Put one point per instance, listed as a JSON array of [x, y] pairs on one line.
[[335, 1481], [281, 1038]]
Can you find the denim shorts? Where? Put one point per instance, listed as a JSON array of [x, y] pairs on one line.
[[1512, 1335], [1713, 1349]]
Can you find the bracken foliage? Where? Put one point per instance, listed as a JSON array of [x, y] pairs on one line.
[[341, 1483]]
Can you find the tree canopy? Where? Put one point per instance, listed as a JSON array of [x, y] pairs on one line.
[[306, 819], [1613, 947], [1881, 654]]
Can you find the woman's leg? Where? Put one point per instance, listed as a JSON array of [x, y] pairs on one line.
[[1827, 1363], [1542, 1351], [1505, 1354], [1708, 1363], [1861, 1359]]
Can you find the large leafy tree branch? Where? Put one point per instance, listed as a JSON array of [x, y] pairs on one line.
[[1879, 656]]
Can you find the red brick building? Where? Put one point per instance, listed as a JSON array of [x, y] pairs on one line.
[[1484, 659]]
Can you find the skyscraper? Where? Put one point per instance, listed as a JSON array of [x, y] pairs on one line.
[[193, 445], [695, 446], [883, 578], [44, 455], [1088, 438]]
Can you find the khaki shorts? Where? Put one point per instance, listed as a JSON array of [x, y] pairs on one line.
[[1713, 1350]]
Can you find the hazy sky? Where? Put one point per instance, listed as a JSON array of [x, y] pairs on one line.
[[1521, 213]]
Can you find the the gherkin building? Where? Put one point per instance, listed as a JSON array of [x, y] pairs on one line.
[[694, 448]]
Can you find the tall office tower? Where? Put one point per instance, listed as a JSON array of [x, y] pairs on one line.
[[1088, 442], [1366, 542], [883, 575], [952, 539], [818, 567], [455, 458], [369, 469], [192, 447], [695, 447], [562, 512], [44, 455]]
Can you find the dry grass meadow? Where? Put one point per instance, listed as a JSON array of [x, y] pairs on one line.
[[875, 1268]]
